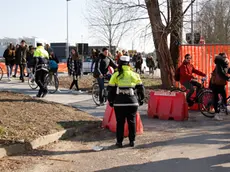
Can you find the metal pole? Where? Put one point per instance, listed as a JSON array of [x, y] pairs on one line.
[[110, 28], [82, 46], [192, 31], [67, 34]]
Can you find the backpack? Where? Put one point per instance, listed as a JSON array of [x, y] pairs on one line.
[[177, 74], [53, 64], [216, 79]]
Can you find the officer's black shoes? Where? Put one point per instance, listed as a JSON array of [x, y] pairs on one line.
[[38, 95], [131, 144], [44, 93], [119, 145]]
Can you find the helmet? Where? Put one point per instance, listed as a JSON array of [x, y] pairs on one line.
[[125, 59]]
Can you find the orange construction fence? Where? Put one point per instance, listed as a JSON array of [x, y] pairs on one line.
[[203, 56], [62, 67]]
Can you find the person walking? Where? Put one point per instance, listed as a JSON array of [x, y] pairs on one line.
[[21, 53], [139, 61], [74, 64], [150, 64], [218, 82], [30, 60], [42, 69], [9, 55], [121, 96], [16, 62]]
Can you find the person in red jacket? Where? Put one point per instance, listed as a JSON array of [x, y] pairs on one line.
[[187, 79]]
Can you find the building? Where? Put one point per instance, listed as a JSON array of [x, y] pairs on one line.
[[4, 42]]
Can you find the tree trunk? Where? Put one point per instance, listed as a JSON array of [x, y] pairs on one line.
[[160, 41], [176, 30]]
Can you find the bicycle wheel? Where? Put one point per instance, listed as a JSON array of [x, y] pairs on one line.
[[31, 82], [95, 94], [206, 104], [53, 83], [1, 73]]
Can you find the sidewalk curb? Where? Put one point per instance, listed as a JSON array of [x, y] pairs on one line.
[[20, 148]]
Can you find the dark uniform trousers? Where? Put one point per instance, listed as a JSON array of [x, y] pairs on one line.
[[123, 113], [40, 80]]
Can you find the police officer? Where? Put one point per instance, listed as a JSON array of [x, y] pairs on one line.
[[42, 69], [121, 95]]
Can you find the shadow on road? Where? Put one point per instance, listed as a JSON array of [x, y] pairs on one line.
[[207, 164]]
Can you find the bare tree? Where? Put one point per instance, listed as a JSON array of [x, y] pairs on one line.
[[107, 22], [166, 18], [214, 21]]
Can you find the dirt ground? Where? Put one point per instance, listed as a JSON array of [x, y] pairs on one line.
[[26, 118], [77, 154]]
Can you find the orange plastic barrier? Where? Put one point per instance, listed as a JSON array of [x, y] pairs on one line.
[[109, 121], [166, 105], [3, 66], [62, 67]]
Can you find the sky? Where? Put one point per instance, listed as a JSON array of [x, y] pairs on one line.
[[46, 19]]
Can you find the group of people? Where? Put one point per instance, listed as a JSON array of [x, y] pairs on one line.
[[40, 61], [21, 55], [218, 80]]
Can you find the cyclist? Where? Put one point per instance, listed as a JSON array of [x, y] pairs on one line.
[[218, 81], [187, 79], [42, 69], [121, 96], [101, 69]]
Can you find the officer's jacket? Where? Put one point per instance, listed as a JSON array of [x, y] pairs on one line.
[[121, 87], [42, 58]]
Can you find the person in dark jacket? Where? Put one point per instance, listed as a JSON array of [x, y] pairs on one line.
[[16, 63], [219, 80], [94, 56], [150, 64], [9, 55], [30, 59], [139, 62], [21, 53], [121, 95], [101, 69], [74, 64]]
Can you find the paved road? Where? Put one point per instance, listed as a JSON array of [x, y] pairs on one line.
[[197, 145]]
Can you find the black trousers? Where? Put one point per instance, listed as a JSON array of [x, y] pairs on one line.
[[40, 80], [22, 68], [189, 86], [218, 89], [74, 82], [123, 113]]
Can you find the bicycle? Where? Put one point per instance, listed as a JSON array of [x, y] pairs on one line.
[[202, 98], [1, 73], [95, 91], [220, 106], [52, 82], [31, 81]]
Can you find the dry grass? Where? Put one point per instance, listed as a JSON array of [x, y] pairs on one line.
[[25, 118], [85, 82]]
